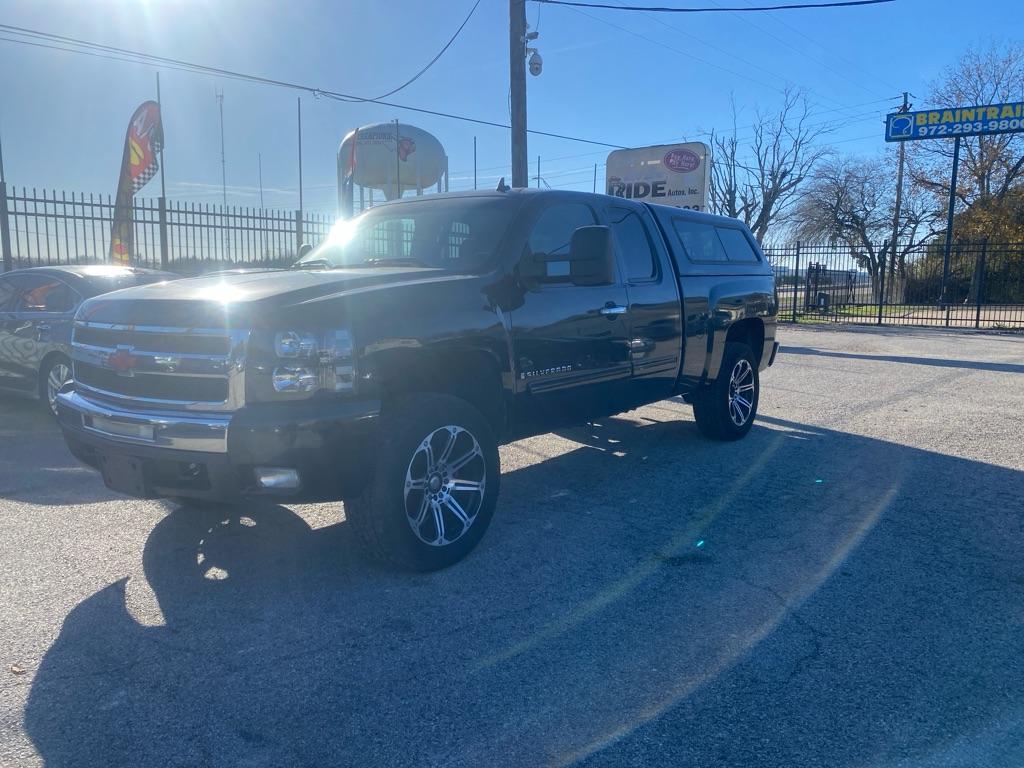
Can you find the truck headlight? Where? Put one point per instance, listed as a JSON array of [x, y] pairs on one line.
[[294, 344], [295, 364], [289, 378]]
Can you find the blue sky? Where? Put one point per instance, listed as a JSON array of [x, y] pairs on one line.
[[629, 79]]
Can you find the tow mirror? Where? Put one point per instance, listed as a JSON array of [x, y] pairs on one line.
[[590, 261], [592, 256]]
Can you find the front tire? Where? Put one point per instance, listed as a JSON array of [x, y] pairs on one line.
[[726, 408], [434, 487], [54, 375]]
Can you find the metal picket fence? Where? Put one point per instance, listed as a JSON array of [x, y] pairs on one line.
[[983, 288], [50, 227]]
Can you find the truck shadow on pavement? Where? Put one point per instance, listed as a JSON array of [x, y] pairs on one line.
[[801, 598], [940, 362]]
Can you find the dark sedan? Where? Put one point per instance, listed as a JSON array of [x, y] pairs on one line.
[[37, 307]]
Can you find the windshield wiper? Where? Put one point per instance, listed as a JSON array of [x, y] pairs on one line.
[[411, 261]]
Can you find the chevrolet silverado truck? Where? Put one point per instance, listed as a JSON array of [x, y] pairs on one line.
[[386, 366]]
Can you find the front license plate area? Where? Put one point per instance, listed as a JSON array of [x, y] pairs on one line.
[[120, 428], [124, 474]]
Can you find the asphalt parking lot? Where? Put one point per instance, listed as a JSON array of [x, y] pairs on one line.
[[845, 587]]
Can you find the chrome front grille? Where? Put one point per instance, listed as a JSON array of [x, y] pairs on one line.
[[155, 367]]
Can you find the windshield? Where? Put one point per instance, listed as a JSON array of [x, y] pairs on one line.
[[455, 235]]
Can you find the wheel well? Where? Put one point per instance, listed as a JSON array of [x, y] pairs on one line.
[[750, 331], [471, 376], [44, 365]]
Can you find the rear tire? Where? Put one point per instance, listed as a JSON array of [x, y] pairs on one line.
[[434, 486], [726, 408]]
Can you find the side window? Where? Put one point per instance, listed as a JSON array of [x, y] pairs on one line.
[[552, 234], [737, 247], [9, 292], [633, 244], [699, 240], [41, 293]]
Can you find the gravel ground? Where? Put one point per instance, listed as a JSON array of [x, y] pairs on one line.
[[842, 588]]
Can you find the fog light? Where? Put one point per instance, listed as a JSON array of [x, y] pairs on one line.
[[277, 477]]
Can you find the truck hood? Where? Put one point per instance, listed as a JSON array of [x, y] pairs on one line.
[[238, 298]]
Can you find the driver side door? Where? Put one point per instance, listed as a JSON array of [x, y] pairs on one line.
[[571, 358]]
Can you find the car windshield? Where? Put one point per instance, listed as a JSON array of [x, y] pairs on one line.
[[454, 235]]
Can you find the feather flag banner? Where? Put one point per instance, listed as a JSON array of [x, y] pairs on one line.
[[142, 145]]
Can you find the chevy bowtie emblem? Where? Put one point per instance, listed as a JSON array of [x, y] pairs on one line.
[[122, 361]]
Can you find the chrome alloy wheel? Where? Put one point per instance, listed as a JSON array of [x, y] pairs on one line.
[[444, 486], [55, 379], [741, 392]]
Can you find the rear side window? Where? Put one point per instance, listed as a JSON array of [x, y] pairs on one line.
[[700, 241], [737, 247]]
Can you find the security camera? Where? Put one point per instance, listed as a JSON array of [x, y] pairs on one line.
[[536, 64]]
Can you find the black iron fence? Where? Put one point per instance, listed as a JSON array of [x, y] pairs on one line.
[[50, 227], [983, 286]]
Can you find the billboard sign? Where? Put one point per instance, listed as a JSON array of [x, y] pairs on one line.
[[670, 174], [981, 120]]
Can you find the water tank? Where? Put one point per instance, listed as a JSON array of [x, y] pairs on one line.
[[392, 157]]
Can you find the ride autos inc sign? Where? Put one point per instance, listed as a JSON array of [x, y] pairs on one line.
[[670, 174]]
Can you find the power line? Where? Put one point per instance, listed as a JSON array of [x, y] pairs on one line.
[[803, 53], [136, 57], [433, 61], [680, 51], [666, 9], [818, 43]]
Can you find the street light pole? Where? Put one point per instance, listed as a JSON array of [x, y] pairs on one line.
[[517, 90]]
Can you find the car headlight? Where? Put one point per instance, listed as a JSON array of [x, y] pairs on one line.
[[295, 364]]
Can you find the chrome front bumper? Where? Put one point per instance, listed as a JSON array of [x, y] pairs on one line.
[[205, 433]]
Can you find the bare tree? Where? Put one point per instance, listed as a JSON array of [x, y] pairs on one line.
[[850, 200], [990, 166], [758, 179]]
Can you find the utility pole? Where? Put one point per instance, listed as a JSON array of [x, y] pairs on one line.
[[300, 153], [259, 163], [398, 162], [259, 166], [160, 109], [165, 244], [538, 171], [223, 168], [474, 162], [223, 162], [899, 198], [517, 89]]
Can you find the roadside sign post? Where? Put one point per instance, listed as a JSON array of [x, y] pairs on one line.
[[954, 123], [949, 221]]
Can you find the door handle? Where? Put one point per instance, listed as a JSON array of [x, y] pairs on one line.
[[43, 327], [610, 310]]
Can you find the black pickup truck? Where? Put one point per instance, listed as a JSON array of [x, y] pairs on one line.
[[386, 366]]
